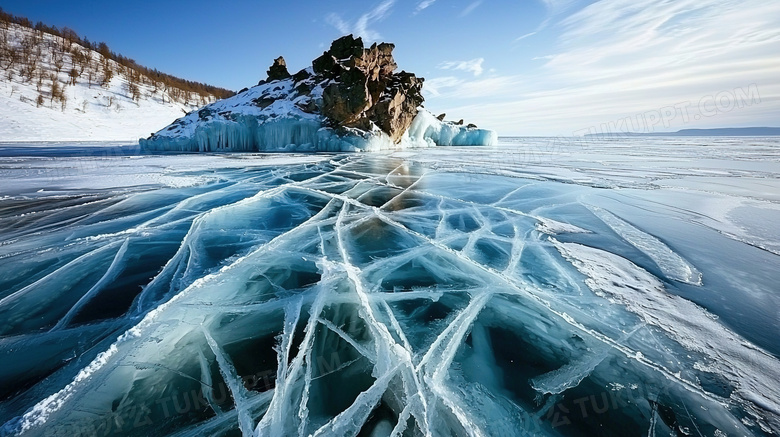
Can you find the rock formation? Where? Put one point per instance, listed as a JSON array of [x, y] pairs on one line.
[[350, 98], [278, 70], [364, 88]]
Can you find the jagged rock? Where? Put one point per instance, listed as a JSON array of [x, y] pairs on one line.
[[325, 65], [303, 88], [346, 47], [307, 106], [344, 102], [398, 105], [441, 116], [278, 70], [365, 90], [301, 75], [262, 102]]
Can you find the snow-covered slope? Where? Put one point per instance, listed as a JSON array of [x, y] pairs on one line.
[[90, 112], [244, 123]]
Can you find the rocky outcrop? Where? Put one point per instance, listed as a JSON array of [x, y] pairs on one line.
[[364, 89], [360, 88], [351, 98], [278, 71]]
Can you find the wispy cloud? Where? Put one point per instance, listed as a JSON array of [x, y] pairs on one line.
[[470, 8], [482, 88], [473, 66], [542, 26], [618, 57], [555, 6], [438, 85], [423, 5], [361, 26], [529, 34]]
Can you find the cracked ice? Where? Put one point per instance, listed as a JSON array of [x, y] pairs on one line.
[[362, 295]]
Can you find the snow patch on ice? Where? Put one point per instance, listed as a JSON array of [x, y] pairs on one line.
[[672, 264], [554, 227]]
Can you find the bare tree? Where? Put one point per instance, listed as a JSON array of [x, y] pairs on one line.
[[81, 58], [108, 74], [58, 60], [132, 90], [73, 74], [104, 50], [56, 89], [135, 92], [3, 41], [29, 69], [41, 77], [27, 45], [11, 58], [69, 36], [91, 74]]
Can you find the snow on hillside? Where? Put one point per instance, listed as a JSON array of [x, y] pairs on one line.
[[89, 112]]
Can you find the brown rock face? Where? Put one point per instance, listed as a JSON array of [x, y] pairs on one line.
[[278, 70], [360, 88], [397, 105], [364, 89]]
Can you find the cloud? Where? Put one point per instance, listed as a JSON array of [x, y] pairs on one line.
[[555, 6], [473, 66], [525, 36], [616, 58], [470, 8], [423, 4], [437, 86], [361, 26], [450, 87], [543, 25], [336, 21]]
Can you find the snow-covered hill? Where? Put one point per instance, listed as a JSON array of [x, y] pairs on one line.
[[89, 110]]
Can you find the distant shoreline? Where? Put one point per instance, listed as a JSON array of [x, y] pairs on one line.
[[719, 132]]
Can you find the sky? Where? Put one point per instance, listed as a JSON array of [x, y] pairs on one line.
[[522, 67]]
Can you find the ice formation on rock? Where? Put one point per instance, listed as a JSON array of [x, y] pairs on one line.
[[351, 99]]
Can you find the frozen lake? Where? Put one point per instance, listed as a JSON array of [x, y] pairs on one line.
[[542, 286]]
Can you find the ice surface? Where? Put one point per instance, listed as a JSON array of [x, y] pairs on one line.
[[434, 292]]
